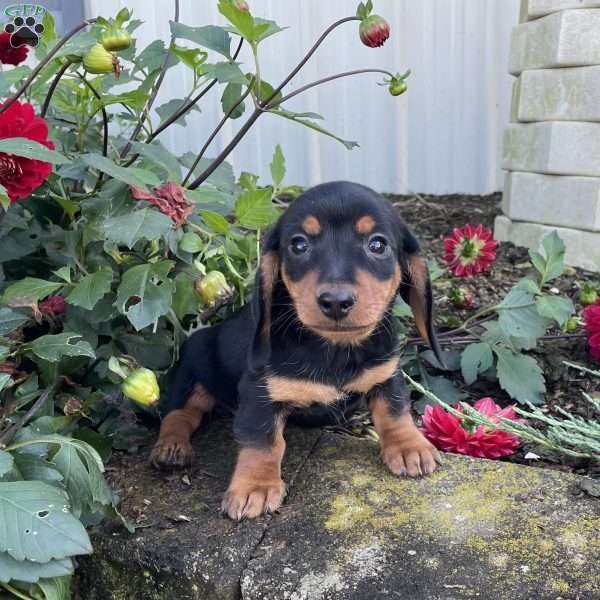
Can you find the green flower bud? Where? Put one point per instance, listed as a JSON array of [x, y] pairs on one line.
[[98, 60], [589, 295], [213, 287], [397, 87], [141, 387], [122, 16], [572, 324], [115, 39]]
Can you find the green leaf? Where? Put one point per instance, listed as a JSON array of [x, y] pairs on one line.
[[4, 199], [53, 347], [185, 299], [264, 28], [231, 95], [225, 72], [130, 175], [552, 263], [149, 283], [161, 157], [191, 57], [191, 242], [6, 462], [151, 57], [56, 588], [277, 166], [555, 307], [210, 36], [518, 315], [31, 572], [255, 210], [91, 289], [32, 467], [476, 358], [242, 20], [4, 381], [31, 149], [37, 523], [143, 224], [29, 290], [312, 125], [10, 320], [218, 223], [520, 376], [166, 110]]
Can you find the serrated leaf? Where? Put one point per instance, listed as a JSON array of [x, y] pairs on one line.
[[520, 376], [255, 210], [218, 223], [190, 57], [149, 283], [191, 242], [152, 56], [312, 125], [225, 72], [555, 307], [210, 36], [129, 175], [6, 462], [31, 149], [552, 264], [231, 96], [529, 286], [143, 224], [476, 358], [31, 572], [168, 109], [53, 347], [10, 320], [29, 290], [91, 289], [185, 298], [161, 157], [277, 166], [518, 315], [240, 19], [37, 523]]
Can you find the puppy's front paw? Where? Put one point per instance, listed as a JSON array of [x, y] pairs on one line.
[[172, 452], [412, 455], [250, 499]]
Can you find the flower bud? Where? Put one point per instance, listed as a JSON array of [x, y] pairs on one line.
[[98, 60], [141, 387], [589, 295], [461, 297], [572, 324], [115, 39], [374, 31], [213, 287], [397, 87], [122, 16], [241, 5]]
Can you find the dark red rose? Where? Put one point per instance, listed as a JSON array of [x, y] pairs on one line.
[[19, 175], [591, 316], [10, 55]]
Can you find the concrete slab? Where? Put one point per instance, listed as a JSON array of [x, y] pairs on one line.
[[562, 39], [350, 530], [582, 247], [557, 147], [540, 8], [571, 94], [553, 200]]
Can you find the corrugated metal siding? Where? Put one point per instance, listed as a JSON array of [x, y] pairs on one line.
[[443, 136]]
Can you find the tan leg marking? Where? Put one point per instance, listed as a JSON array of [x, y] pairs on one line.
[[404, 449], [173, 448], [256, 487]]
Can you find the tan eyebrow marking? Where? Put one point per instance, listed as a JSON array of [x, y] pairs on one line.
[[365, 225], [311, 225]]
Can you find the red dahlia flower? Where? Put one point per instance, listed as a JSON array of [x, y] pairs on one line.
[[170, 200], [591, 321], [20, 175], [9, 55], [448, 433], [374, 31], [53, 306], [470, 250]]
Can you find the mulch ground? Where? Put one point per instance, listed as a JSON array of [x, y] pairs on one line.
[[432, 219]]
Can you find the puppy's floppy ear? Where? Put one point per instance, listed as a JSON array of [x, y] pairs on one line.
[[415, 288], [267, 276]]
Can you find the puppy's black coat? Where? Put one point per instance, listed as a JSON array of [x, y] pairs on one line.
[[320, 324]]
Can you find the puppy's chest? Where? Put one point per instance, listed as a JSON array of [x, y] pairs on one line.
[[299, 391]]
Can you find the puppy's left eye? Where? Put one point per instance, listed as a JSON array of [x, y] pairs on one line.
[[299, 244], [377, 245]]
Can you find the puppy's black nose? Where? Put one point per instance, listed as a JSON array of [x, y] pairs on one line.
[[336, 304]]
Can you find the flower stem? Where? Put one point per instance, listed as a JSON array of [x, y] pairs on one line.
[[146, 112], [44, 62], [52, 89], [260, 108], [104, 116]]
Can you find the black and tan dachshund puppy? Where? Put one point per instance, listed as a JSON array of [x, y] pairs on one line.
[[317, 340]]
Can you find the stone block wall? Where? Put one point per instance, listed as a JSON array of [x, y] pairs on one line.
[[552, 145]]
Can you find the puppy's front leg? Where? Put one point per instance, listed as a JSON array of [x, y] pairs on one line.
[[256, 487], [404, 449]]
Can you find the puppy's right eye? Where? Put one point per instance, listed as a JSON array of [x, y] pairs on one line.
[[298, 244]]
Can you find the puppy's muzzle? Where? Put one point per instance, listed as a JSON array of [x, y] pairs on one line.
[[336, 303]]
